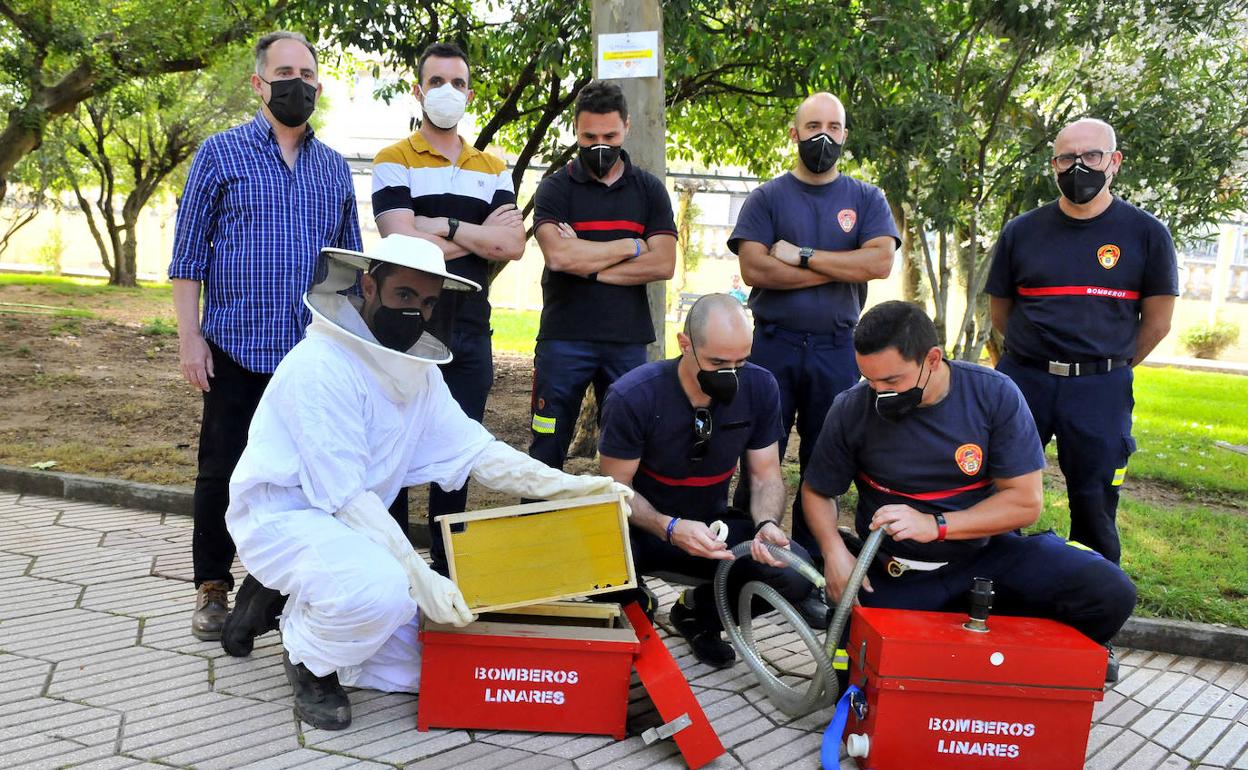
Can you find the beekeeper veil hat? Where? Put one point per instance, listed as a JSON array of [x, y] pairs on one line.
[[336, 313]]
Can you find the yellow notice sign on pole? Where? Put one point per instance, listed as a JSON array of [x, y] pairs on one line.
[[628, 55]]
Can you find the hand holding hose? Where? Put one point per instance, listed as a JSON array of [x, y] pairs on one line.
[[837, 566], [769, 533]]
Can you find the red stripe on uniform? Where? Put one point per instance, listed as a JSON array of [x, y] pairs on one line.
[[610, 224], [689, 481], [941, 495], [1077, 291]]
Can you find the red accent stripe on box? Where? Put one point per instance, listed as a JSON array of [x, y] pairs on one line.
[[940, 495], [689, 481], [610, 224], [1077, 291]]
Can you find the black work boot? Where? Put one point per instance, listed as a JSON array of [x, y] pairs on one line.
[[707, 645], [1111, 667], [256, 611], [319, 700], [212, 602]]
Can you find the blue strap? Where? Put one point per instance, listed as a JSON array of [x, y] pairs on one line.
[[830, 752]]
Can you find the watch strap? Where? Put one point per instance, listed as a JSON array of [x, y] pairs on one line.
[[942, 527], [452, 224], [804, 254]]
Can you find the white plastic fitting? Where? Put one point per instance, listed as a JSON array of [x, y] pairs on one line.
[[857, 744]]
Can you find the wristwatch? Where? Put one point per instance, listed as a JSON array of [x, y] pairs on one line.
[[805, 253], [452, 224], [942, 528]]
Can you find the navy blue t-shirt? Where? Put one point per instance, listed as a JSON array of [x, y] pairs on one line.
[[647, 415], [938, 458], [1077, 283], [840, 216]]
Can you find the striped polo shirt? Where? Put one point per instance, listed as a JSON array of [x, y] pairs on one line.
[[411, 175]]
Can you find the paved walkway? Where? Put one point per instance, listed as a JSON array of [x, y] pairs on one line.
[[100, 671]]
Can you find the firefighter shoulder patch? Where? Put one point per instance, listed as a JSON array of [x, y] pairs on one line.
[[970, 458], [1108, 255], [847, 218]]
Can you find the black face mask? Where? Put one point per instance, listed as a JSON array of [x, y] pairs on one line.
[[892, 405], [397, 328], [291, 101], [719, 384], [1080, 184], [599, 158], [819, 153]]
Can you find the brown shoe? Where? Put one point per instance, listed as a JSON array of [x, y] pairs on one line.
[[212, 604]]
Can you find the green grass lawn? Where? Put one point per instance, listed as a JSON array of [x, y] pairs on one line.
[[1178, 416], [515, 331]]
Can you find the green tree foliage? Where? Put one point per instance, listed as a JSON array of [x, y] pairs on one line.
[[56, 54], [120, 149], [953, 104]]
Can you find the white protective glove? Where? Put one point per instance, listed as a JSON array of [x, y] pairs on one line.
[[504, 469], [439, 599]]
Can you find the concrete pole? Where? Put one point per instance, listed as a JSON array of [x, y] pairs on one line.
[[647, 135]]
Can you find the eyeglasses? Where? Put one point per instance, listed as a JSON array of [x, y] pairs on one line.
[[1091, 158], [702, 427]]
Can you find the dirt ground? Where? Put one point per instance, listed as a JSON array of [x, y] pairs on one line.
[[101, 397]]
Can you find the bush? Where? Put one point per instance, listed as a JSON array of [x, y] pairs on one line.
[[159, 327], [1209, 340]]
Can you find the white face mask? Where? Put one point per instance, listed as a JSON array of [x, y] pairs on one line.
[[444, 106]]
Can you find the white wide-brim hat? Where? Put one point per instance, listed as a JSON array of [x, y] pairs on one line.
[[405, 251]]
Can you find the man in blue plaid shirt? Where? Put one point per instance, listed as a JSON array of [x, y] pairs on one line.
[[261, 201]]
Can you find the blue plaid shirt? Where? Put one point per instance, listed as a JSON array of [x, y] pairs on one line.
[[250, 229]]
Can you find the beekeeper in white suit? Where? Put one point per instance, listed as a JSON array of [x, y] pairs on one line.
[[355, 412]]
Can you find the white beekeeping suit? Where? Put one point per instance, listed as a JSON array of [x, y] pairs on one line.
[[343, 425]]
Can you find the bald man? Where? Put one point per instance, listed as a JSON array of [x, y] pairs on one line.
[[1083, 289], [673, 431], [808, 242]]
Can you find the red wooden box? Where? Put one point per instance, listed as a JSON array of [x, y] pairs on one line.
[[940, 696], [560, 667]]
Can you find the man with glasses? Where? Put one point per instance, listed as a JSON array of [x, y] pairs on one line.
[[673, 431], [261, 200], [1083, 289]]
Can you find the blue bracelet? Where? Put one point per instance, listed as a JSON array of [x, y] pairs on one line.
[[637, 245], [670, 526]]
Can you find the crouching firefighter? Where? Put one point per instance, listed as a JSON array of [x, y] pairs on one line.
[[355, 412], [947, 461]]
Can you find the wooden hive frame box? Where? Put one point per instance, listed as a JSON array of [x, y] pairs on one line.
[[539, 552]]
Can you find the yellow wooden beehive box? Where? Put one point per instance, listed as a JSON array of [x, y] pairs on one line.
[[539, 552]]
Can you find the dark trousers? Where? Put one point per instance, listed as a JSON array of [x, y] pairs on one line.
[[469, 378], [562, 370], [810, 370], [1038, 576], [653, 554], [1091, 418], [228, 407]]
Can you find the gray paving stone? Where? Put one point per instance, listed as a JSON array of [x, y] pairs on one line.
[[1115, 751], [1232, 743], [56, 758], [1151, 722], [1203, 738], [25, 596], [14, 564], [782, 747], [1176, 730], [165, 736], [239, 749], [310, 759], [1230, 708]]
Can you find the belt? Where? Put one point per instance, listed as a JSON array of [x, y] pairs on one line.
[[1069, 369], [897, 566]]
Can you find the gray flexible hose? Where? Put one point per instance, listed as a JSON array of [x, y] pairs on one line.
[[823, 688]]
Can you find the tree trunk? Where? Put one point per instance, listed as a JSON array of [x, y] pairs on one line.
[[911, 273], [126, 260], [585, 438]]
